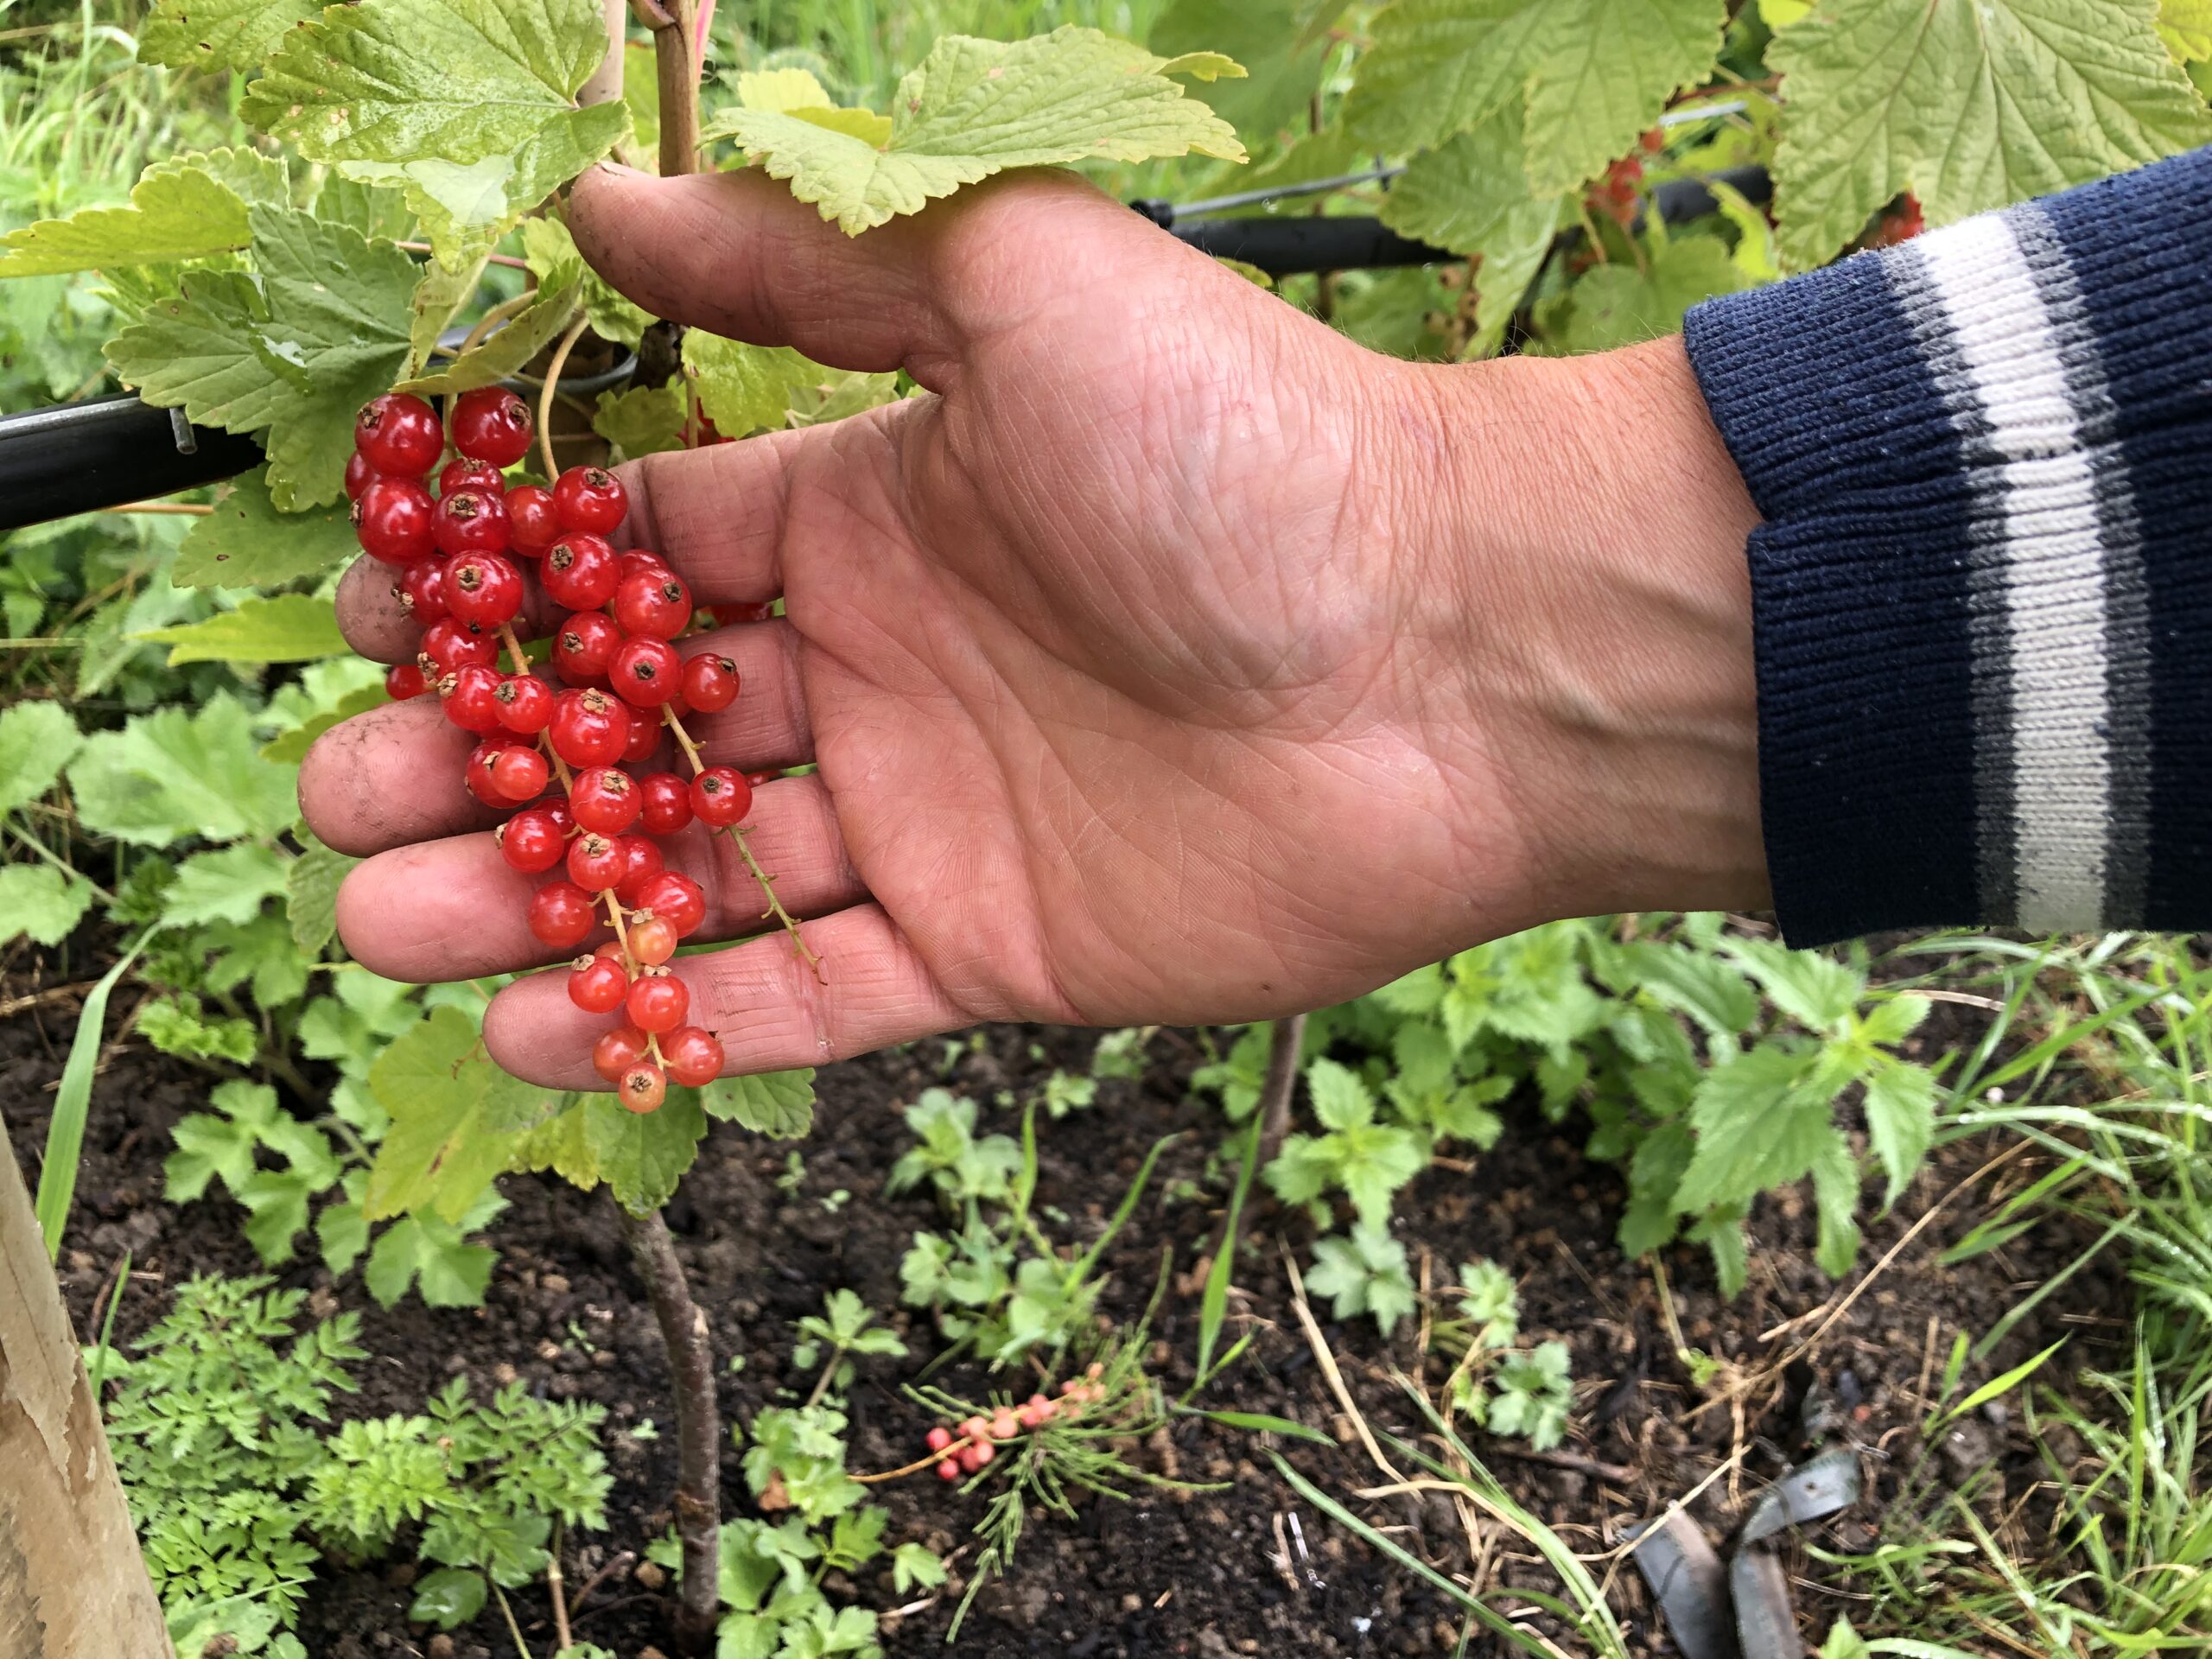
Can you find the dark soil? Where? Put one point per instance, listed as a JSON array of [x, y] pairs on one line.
[[1167, 1573]]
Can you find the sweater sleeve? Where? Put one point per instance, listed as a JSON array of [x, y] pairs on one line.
[[1982, 595]]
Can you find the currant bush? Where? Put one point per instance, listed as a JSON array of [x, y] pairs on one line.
[[564, 754]]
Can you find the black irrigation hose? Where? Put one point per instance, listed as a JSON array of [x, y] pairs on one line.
[[82, 457]]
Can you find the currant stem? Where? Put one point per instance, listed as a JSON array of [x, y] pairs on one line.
[[622, 938], [767, 882], [559, 361]]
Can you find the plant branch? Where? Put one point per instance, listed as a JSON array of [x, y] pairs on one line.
[[698, 1422], [1281, 1085], [676, 58]]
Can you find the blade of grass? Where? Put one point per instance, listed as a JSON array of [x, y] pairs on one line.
[[64, 1133], [1213, 1305]]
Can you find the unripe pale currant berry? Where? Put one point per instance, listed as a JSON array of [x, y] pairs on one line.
[[421, 590], [532, 840], [471, 701], [399, 435], [359, 472], [975, 1456], [597, 984], [562, 915], [948, 1470], [642, 1088], [595, 862], [657, 1002], [654, 604], [470, 521], [394, 520], [641, 866], [605, 799], [652, 941], [693, 1055], [589, 728], [403, 681], [492, 424], [709, 683], [582, 646], [525, 704], [519, 774], [1004, 1424], [462, 472], [617, 1051], [720, 796], [533, 522], [579, 572], [677, 898], [484, 588], [667, 803], [590, 499], [453, 644], [645, 670]]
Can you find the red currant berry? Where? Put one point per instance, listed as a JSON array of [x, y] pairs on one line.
[[730, 615], [721, 796], [558, 807], [532, 840], [478, 774], [579, 572], [678, 898], [756, 779], [597, 984], [531, 520], [605, 800], [644, 562], [589, 728], [657, 1002], [590, 498], [644, 671], [421, 590], [694, 1058], [453, 644], [644, 738], [471, 521], [617, 1051], [641, 864], [484, 588], [562, 915], [525, 704], [652, 602], [667, 801], [463, 474], [948, 1470], [403, 681], [651, 941], [358, 475], [399, 435], [973, 1456], [642, 1089], [472, 700], [393, 520], [519, 774], [492, 424], [709, 683], [582, 645], [595, 862], [939, 1438]]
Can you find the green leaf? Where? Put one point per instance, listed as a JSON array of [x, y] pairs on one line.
[[246, 542], [37, 739], [466, 105], [918, 1566], [179, 1025], [742, 387], [508, 347], [171, 774], [1815, 990], [1835, 1202], [1843, 1641], [1363, 1272], [1758, 1126], [976, 107], [295, 352], [1969, 105], [454, 1119], [1595, 74], [173, 215], [558, 1144], [228, 885], [342, 1233], [212, 34], [41, 902], [779, 1104], [448, 1598], [1900, 1121], [290, 628], [1340, 1099], [432, 1254], [2186, 26], [1619, 304], [642, 1155], [550, 252], [311, 883], [1282, 57], [290, 747], [642, 420]]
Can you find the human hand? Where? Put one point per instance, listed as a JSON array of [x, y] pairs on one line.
[[1177, 660]]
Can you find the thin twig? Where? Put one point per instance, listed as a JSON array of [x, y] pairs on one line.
[[1281, 1085], [560, 360], [576, 1601], [179, 509], [554, 1586], [507, 259]]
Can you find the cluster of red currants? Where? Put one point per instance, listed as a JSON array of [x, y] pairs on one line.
[[968, 1446], [554, 751]]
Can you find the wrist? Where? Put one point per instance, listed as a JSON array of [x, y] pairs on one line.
[[1579, 566]]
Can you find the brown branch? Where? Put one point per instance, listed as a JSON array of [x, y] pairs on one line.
[[1281, 1084], [698, 1424], [676, 60]]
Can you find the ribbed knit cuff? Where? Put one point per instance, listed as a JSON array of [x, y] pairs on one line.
[[1983, 592]]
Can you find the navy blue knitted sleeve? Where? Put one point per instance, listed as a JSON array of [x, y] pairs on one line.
[[1983, 592]]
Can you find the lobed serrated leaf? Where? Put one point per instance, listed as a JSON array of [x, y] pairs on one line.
[[741, 388], [290, 628], [311, 883], [172, 774], [976, 107], [37, 738], [779, 1104], [456, 1117], [246, 542], [214, 34], [174, 215], [227, 885], [39, 902], [642, 1155]]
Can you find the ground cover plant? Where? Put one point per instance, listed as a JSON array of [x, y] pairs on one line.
[[277, 220]]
